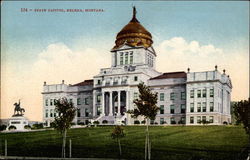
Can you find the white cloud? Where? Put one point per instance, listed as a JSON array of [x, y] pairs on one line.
[[54, 64], [177, 54]]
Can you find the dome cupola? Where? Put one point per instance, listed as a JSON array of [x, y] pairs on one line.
[[133, 34]]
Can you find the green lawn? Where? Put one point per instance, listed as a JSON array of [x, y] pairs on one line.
[[171, 142]]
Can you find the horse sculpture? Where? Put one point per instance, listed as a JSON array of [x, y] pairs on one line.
[[18, 109]]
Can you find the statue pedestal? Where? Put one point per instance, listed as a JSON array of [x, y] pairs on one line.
[[19, 122]]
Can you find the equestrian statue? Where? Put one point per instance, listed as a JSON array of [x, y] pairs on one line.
[[18, 111]]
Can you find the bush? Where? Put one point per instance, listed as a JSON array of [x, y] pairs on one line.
[[173, 122], [3, 127], [136, 122], [205, 122], [52, 124], [27, 127], [72, 124], [181, 122], [225, 123], [37, 126], [104, 122], [143, 122], [12, 128], [96, 122], [81, 123], [156, 122]]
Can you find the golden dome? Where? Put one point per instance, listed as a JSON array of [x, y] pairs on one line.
[[133, 34]]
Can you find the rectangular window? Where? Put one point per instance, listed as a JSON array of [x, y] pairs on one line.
[[126, 58], [172, 120], [204, 93], [47, 113], [46, 102], [78, 101], [199, 119], [135, 95], [51, 102], [98, 98], [161, 96], [99, 82], [191, 93], [172, 96], [183, 120], [199, 107], [211, 119], [172, 109], [211, 92], [54, 113], [211, 106], [199, 93], [191, 120], [204, 106], [191, 107], [78, 112], [161, 109], [204, 119], [131, 58], [183, 95], [121, 58], [71, 100], [161, 120], [98, 110], [51, 113], [183, 108], [86, 101], [86, 112], [135, 78]]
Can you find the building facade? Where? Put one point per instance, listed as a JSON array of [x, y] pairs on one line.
[[184, 98]]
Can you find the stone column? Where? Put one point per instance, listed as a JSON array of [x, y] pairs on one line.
[[119, 103], [127, 100], [103, 103], [110, 103], [94, 103]]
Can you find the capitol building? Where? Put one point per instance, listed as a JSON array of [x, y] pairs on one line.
[[183, 97]]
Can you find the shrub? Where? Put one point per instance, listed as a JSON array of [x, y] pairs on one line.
[[52, 124], [225, 123], [3, 127], [173, 122], [205, 122], [12, 128], [81, 123], [143, 122], [96, 122], [136, 122], [104, 122], [27, 127], [72, 124], [181, 122], [37, 126], [156, 122]]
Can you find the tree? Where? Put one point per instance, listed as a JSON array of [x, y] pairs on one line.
[[66, 113], [117, 134], [146, 107], [242, 115]]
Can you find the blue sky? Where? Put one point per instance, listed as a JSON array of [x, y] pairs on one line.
[[45, 46], [220, 23]]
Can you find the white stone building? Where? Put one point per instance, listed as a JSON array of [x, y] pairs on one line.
[[184, 98]]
